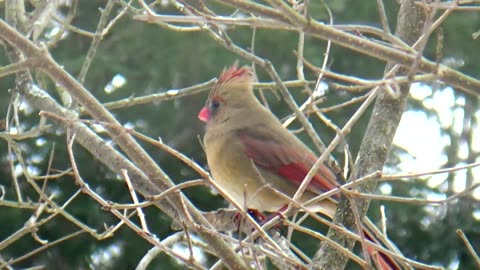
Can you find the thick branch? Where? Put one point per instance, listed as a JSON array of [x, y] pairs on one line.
[[376, 142], [128, 144]]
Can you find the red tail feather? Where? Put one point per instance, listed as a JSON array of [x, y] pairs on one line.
[[383, 261]]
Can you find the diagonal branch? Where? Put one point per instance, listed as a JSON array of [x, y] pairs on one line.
[[151, 171]]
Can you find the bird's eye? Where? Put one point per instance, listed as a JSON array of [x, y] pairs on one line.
[[214, 105]]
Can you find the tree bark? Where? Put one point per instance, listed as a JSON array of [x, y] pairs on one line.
[[376, 143]]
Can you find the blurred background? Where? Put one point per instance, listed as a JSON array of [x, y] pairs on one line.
[[439, 130]]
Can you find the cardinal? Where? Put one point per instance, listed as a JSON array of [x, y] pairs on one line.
[[255, 159]]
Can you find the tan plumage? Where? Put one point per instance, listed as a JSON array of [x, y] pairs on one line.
[[253, 158], [226, 141]]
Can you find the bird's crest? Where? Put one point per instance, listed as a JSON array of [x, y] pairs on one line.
[[230, 77], [234, 74]]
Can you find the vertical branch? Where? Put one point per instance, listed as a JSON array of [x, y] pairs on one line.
[[376, 142], [15, 17], [383, 17], [96, 40]]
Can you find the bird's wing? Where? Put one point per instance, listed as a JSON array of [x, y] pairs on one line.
[[289, 158], [286, 157]]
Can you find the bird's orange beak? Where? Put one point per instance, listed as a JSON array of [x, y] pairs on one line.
[[204, 114]]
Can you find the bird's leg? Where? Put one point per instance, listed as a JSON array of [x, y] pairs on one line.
[[240, 221], [278, 214], [259, 217]]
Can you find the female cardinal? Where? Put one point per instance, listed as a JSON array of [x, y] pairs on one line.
[[252, 157]]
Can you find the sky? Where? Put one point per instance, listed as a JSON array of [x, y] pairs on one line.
[[421, 135]]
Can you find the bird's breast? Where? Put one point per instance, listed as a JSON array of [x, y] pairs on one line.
[[238, 177]]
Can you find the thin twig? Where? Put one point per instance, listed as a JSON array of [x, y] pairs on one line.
[[469, 246], [141, 215], [99, 34]]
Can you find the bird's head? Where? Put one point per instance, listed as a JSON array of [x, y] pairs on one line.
[[232, 90]]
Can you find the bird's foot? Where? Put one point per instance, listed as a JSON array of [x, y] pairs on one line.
[[259, 217]]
